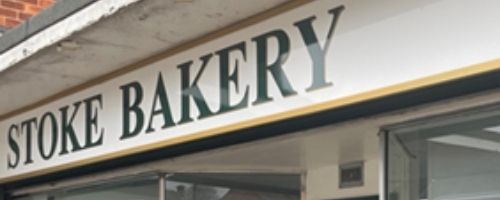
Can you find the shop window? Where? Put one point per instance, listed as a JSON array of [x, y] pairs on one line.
[[446, 158], [216, 186], [143, 188]]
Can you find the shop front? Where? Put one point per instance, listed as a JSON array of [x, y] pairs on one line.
[[310, 100]]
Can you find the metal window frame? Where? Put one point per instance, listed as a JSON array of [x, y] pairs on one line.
[[458, 115], [383, 165]]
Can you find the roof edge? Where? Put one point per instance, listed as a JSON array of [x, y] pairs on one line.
[[52, 25], [58, 11]]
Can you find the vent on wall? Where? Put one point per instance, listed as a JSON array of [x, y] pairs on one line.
[[351, 174]]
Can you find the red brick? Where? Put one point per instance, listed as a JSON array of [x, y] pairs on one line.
[[24, 16], [7, 12], [14, 12], [11, 22], [45, 3], [12, 4], [34, 2], [2, 21], [30, 9]]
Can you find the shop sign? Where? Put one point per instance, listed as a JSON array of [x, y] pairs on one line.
[[298, 62]]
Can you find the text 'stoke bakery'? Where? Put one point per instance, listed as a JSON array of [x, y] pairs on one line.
[[232, 100]]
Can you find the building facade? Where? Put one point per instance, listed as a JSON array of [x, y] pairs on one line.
[[224, 100]]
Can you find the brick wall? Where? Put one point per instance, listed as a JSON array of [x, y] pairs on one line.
[[13, 12]]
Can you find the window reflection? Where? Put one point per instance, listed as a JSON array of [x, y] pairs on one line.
[[233, 187], [142, 188], [449, 159]]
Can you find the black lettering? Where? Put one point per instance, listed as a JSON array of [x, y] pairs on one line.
[[164, 110], [132, 108], [91, 121], [314, 48], [13, 160], [41, 138], [27, 127], [226, 78], [191, 90], [67, 129], [275, 68]]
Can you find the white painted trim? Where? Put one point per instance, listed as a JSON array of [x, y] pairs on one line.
[[61, 30]]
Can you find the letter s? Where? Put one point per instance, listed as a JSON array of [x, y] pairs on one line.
[[13, 162]]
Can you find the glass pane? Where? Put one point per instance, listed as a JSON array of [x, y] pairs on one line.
[[233, 187], [457, 159], [400, 178], [144, 188], [35, 197]]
